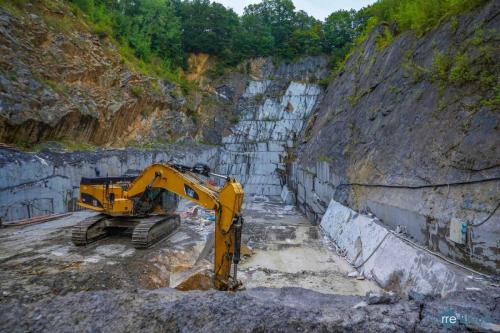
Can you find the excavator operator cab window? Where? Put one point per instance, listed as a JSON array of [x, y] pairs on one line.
[[190, 192]]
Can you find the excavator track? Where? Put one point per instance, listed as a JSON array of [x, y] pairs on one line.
[[89, 230], [152, 229]]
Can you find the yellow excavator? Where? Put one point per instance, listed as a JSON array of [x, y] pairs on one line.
[[136, 202]]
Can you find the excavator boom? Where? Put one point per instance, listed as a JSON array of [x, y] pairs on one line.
[[138, 198]]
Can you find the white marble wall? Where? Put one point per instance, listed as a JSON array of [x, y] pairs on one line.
[[258, 143]]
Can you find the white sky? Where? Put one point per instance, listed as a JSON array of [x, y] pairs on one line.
[[320, 9]]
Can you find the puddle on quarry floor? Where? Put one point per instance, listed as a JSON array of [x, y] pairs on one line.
[[290, 252], [40, 260]]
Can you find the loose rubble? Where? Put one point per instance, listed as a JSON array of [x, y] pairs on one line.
[[277, 310]]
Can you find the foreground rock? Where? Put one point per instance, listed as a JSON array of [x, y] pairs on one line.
[[277, 310]]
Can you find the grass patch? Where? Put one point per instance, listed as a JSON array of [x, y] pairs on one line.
[[137, 91], [155, 86], [65, 143], [60, 23], [13, 8], [385, 39], [460, 70], [324, 158], [441, 65], [259, 98], [72, 145], [493, 102]]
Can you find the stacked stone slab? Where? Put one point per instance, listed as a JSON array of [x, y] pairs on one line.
[[387, 259], [255, 153]]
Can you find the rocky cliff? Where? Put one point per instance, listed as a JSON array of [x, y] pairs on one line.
[[410, 132], [60, 79], [271, 103]]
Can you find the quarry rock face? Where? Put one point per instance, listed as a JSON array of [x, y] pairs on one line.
[[59, 81], [366, 243], [270, 122], [33, 184], [392, 121], [271, 107], [312, 68], [388, 123]]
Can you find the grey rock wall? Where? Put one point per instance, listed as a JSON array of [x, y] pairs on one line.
[[33, 184], [305, 69], [392, 118], [272, 109]]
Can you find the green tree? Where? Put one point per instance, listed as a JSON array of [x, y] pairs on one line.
[[307, 41], [340, 29], [304, 21], [151, 28], [279, 16], [207, 27], [254, 38]]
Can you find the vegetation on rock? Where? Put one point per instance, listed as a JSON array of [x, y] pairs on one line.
[[157, 36], [418, 15], [162, 33]]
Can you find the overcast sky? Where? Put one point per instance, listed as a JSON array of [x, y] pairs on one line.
[[317, 8]]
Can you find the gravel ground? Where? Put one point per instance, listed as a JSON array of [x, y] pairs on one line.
[[254, 310]]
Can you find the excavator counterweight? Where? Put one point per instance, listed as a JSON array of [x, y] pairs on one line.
[[135, 202]]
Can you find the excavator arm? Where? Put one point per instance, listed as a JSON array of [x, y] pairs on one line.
[[226, 201]]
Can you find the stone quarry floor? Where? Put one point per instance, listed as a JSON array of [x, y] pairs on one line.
[[290, 252], [40, 260], [295, 282]]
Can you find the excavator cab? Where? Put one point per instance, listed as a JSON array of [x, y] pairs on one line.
[[146, 204]]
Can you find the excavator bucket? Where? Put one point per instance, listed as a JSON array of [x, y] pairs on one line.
[[199, 277]]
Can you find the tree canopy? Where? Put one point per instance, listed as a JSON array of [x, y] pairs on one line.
[[171, 29]]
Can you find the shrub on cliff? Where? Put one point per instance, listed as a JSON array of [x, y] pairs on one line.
[[419, 15]]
